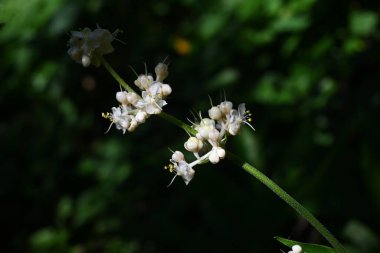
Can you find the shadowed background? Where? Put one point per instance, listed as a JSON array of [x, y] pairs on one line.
[[308, 70]]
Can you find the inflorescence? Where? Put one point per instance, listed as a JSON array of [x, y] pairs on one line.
[[87, 47], [134, 109], [207, 145]]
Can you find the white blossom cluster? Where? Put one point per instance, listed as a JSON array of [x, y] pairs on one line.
[[210, 138], [87, 47], [296, 249], [134, 109]]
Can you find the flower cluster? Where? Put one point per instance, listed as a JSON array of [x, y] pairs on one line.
[[296, 249], [210, 138], [134, 109], [87, 47]]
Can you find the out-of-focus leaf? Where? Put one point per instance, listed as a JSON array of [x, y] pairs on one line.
[[363, 22], [49, 240], [361, 236]]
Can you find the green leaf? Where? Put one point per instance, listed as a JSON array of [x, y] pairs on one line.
[[306, 247]]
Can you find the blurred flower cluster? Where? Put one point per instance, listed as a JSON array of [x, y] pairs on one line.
[[87, 47]]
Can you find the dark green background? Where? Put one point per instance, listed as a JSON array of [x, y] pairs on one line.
[[308, 70]]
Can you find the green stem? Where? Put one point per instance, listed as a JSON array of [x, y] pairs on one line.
[[250, 169], [116, 76], [290, 201], [177, 122]]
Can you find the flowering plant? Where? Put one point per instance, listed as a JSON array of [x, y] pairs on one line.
[[207, 136]]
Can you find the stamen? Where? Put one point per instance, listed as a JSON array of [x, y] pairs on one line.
[[107, 116], [172, 181]]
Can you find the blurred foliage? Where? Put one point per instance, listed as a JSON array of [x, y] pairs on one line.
[[308, 70]]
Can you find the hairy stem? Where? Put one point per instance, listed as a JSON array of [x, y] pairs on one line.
[[290, 201]]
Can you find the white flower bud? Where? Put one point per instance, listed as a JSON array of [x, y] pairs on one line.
[[86, 61], [161, 71], [233, 129], [144, 81], [214, 158], [221, 152], [193, 145], [141, 116], [204, 132], [207, 122], [166, 90], [133, 125], [132, 97], [297, 249], [225, 107], [121, 97], [215, 113], [178, 156], [213, 135], [124, 124]]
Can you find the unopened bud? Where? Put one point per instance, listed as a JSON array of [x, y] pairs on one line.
[[225, 107], [178, 156], [166, 90], [215, 113], [161, 71], [121, 97]]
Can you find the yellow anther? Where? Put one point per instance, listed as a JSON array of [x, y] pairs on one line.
[[171, 169], [165, 167], [249, 120], [105, 115]]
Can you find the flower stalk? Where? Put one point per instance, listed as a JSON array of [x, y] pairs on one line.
[[115, 75]]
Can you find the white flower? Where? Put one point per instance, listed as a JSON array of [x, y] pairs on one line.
[[236, 117], [119, 117], [150, 103], [185, 171], [86, 46], [181, 167]]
